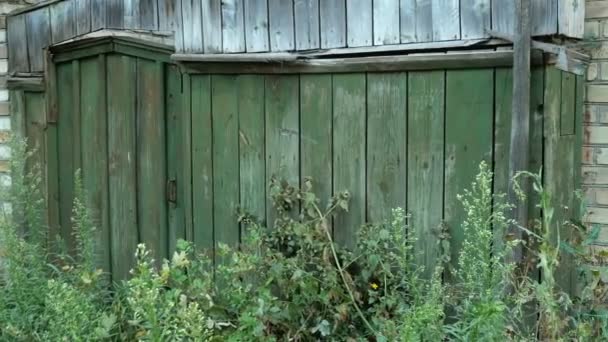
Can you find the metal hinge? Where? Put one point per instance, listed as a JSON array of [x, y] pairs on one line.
[[172, 190]]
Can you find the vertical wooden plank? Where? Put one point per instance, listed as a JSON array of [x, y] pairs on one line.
[[256, 25], [17, 44], [224, 109], [503, 16], [468, 141], [148, 14], [131, 14], [333, 23], [38, 37], [83, 16], [446, 19], [571, 18], [52, 176], [281, 25], [316, 133], [233, 29], [65, 131], [94, 140], [192, 25], [212, 27], [282, 134], [98, 14], [186, 153], [567, 116], [386, 22], [76, 100], [349, 121], [251, 145], [537, 84], [18, 114], [543, 14], [114, 14], [426, 95], [63, 23], [416, 21], [35, 115], [386, 184], [170, 19], [202, 162], [359, 21], [175, 153], [122, 160], [475, 18], [307, 24], [151, 162]]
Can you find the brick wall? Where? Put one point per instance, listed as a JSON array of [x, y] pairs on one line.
[[595, 150]]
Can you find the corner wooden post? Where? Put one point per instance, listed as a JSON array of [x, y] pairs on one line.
[[519, 151]]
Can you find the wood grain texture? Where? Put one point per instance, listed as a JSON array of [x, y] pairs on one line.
[[416, 21], [201, 32], [148, 15], [233, 26], [503, 14], [98, 14], [316, 134], [115, 13], [256, 25], [63, 20], [38, 37], [252, 157], [571, 18], [83, 16], [386, 185], [224, 100], [151, 158], [386, 22], [131, 14], [281, 25], [359, 23], [17, 45], [202, 162], [544, 16], [185, 190], [426, 94], [306, 13], [349, 115], [122, 169], [332, 23], [475, 16], [464, 151], [282, 134], [170, 19], [446, 19]]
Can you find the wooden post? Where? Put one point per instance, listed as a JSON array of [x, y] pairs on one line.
[[519, 152]]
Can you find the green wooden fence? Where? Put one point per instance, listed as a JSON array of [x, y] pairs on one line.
[[168, 155]]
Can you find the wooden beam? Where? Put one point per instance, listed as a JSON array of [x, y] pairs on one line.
[[519, 149], [35, 84]]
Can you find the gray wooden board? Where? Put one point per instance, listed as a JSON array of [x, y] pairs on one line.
[[170, 19], [281, 25], [17, 45], [148, 14], [571, 18], [98, 14], [114, 14], [446, 19], [83, 16], [256, 25], [131, 14], [475, 16], [233, 30], [503, 14], [195, 30], [39, 36], [333, 23], [386, 22], [544, 16], [62, 21], [359, 23], [212, 28], [307, 24]]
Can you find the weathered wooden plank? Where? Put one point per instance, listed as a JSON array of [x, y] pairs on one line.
[[175, 154], [192, 26], [536, 133], [503, 16], [469, 108], [256, 25], [170, 19], [35, 124], [386, 186], [333, 23], [349, 118], [18, 114], [224, 108], [416, 21], [17, 45], [202, 162], [115, 14], [252, 159], [52, 176], [38, 37], [386, 22], [65, 130], [94, 131], [151, 162], [131, 14], [186, 187], [98, 14], [76, 117], [359, 21], [571, 18], [543, 14], [426, 94], [83, 16], [475, 16], [63, 21], [122, 170], [281, 25], [446, 19], [212, 27], [307, 24], [568, 113], [148, 14], [316, 134], [282, 134], [233, 29]]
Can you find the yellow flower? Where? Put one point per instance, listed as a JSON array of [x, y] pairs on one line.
[[374, 286]]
